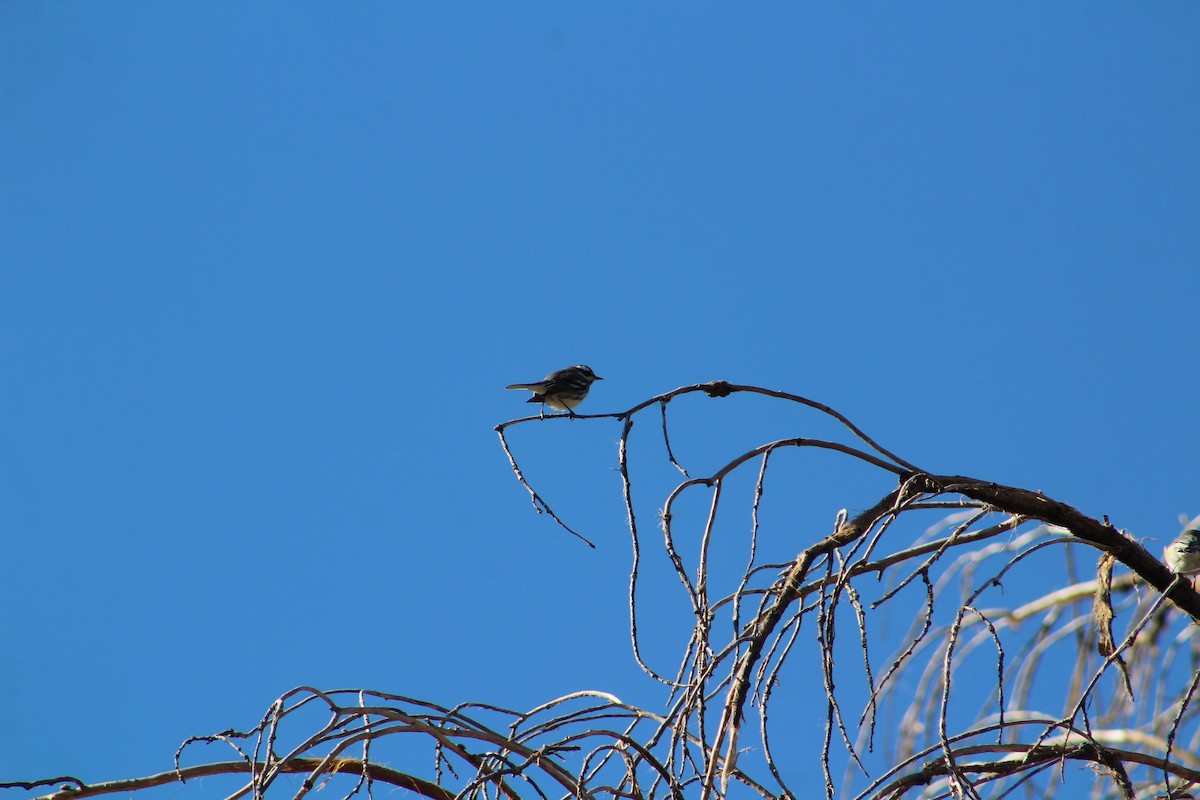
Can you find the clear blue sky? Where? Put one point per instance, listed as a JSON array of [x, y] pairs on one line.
[[266, 267]]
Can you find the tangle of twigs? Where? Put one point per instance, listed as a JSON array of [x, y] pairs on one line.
[[1005, 670]]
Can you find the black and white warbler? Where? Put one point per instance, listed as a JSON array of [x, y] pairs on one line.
[[561, 390]]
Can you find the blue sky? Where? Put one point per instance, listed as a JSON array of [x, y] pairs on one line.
[[267, 267]]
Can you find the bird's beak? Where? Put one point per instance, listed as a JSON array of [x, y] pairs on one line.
[[599, 378]]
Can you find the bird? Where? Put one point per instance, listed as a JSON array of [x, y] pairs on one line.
[[562, 389], [1183, 554]]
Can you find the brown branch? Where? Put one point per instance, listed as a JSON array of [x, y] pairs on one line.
[[767, 622], [1103, 535], [1031, 757], [712, 389], [375, 772], [539, 503]]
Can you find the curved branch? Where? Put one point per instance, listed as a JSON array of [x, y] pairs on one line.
[[1103, 535], [1023, 757], [375, 772]]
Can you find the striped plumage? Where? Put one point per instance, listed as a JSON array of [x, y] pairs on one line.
[[1183, 554], [563, 389]]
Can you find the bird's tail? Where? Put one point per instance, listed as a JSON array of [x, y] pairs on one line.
[[530, 387]]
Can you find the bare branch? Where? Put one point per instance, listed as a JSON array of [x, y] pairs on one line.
[[998, 674]]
